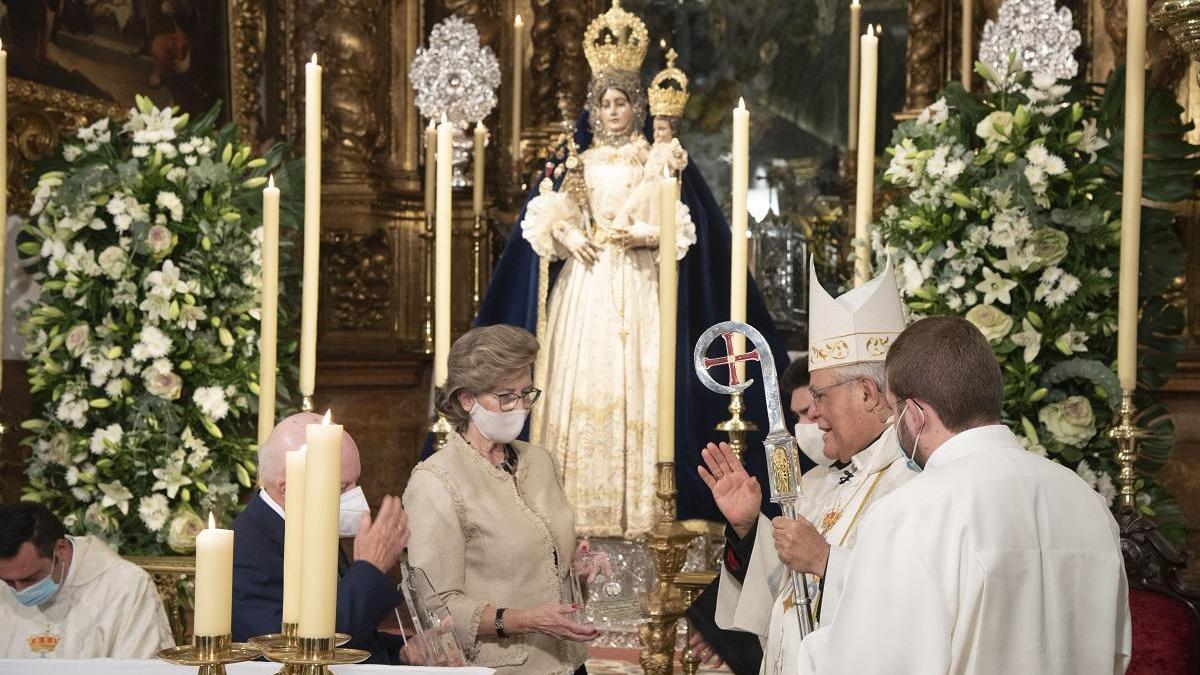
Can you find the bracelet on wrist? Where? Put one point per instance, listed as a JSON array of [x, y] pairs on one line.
[[500, 623]]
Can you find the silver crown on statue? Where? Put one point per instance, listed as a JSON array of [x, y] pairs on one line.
[[1043, 38]]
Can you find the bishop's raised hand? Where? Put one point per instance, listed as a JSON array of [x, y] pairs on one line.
[[736, 492]]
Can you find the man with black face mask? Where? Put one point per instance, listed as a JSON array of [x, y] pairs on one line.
[[72, 597]]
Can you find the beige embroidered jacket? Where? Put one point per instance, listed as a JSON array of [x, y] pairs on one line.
[[485, 537]]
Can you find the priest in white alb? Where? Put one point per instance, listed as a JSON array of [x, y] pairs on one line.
[[848, 340], [72, 597], [993, 559]]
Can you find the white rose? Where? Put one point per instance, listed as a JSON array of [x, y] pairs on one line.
[[159, 240], [113, 262], [181, 537], [78, 339], [1071, 421], [993, 323], [161, 382]]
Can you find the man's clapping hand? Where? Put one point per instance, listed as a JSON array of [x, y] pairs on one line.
[[382, 540]]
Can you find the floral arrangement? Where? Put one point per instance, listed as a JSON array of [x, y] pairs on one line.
[[1011, 218], [145, 239]]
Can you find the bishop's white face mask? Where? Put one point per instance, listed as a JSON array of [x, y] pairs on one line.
[[350, 511], [811, 440], [499, 427]]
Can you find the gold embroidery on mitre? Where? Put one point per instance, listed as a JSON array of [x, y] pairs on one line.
[[835, 350], [877, 345], [669, 90], [615, 40], [43, 643]]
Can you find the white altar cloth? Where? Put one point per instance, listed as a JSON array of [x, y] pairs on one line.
[[156, 667]]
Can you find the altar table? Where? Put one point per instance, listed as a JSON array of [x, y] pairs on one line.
[[156, 667]]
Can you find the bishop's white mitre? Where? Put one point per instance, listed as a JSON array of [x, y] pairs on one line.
[[857, 327]]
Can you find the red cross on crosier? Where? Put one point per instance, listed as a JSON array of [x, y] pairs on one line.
[[730, 359]]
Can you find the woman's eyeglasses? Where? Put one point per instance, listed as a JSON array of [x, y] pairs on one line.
[[509, 400]]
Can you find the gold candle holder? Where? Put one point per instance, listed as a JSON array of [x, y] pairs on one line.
[[210, 653], [1126, 434], [284, 639], [306, 403], [314, 656], [668, 544], [441, 430], [737, 427]]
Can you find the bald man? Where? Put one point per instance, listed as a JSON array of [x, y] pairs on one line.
[[365, 594]]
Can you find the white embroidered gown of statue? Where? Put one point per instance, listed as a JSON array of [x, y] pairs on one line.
[[600, 346]]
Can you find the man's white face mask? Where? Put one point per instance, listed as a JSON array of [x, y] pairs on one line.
[[811, 440], [350, 511]]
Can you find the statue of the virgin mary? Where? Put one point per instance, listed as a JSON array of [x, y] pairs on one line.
[[581, 271]]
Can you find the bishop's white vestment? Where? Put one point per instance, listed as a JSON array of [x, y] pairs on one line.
[[834, 499], [993, 560], [106, 608]]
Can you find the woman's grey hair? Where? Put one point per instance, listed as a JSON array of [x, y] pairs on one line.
[[628, 83], [478, 361]]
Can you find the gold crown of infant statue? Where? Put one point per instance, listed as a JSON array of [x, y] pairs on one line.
[[669, 90], [615, 40]]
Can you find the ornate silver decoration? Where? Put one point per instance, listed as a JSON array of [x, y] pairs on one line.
[[454, 76], [1044, 39]]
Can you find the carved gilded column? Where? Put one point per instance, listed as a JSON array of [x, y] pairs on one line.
[[247, 46], [926, 58]]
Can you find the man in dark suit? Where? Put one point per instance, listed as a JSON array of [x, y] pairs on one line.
[[365, 595]]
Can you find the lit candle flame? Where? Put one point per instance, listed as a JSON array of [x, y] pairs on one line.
[[666, 173], [328, 417], [212, 522], [854, 3], [314, 58], [271, 181], [445, 120], [741, 103], [871, 30], [518, 22]]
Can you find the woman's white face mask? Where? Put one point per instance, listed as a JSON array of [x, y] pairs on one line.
[[811, 440], [499, 427]]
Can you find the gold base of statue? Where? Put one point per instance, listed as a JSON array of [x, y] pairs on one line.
[[313, 656], [441, 430], [306, 403], [668, 542], [1126, 434], [210, 653], [737, 427]]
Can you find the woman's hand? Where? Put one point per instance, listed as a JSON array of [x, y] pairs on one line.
[[550, 619]]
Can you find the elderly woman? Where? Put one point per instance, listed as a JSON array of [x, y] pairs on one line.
[[491, 526]]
